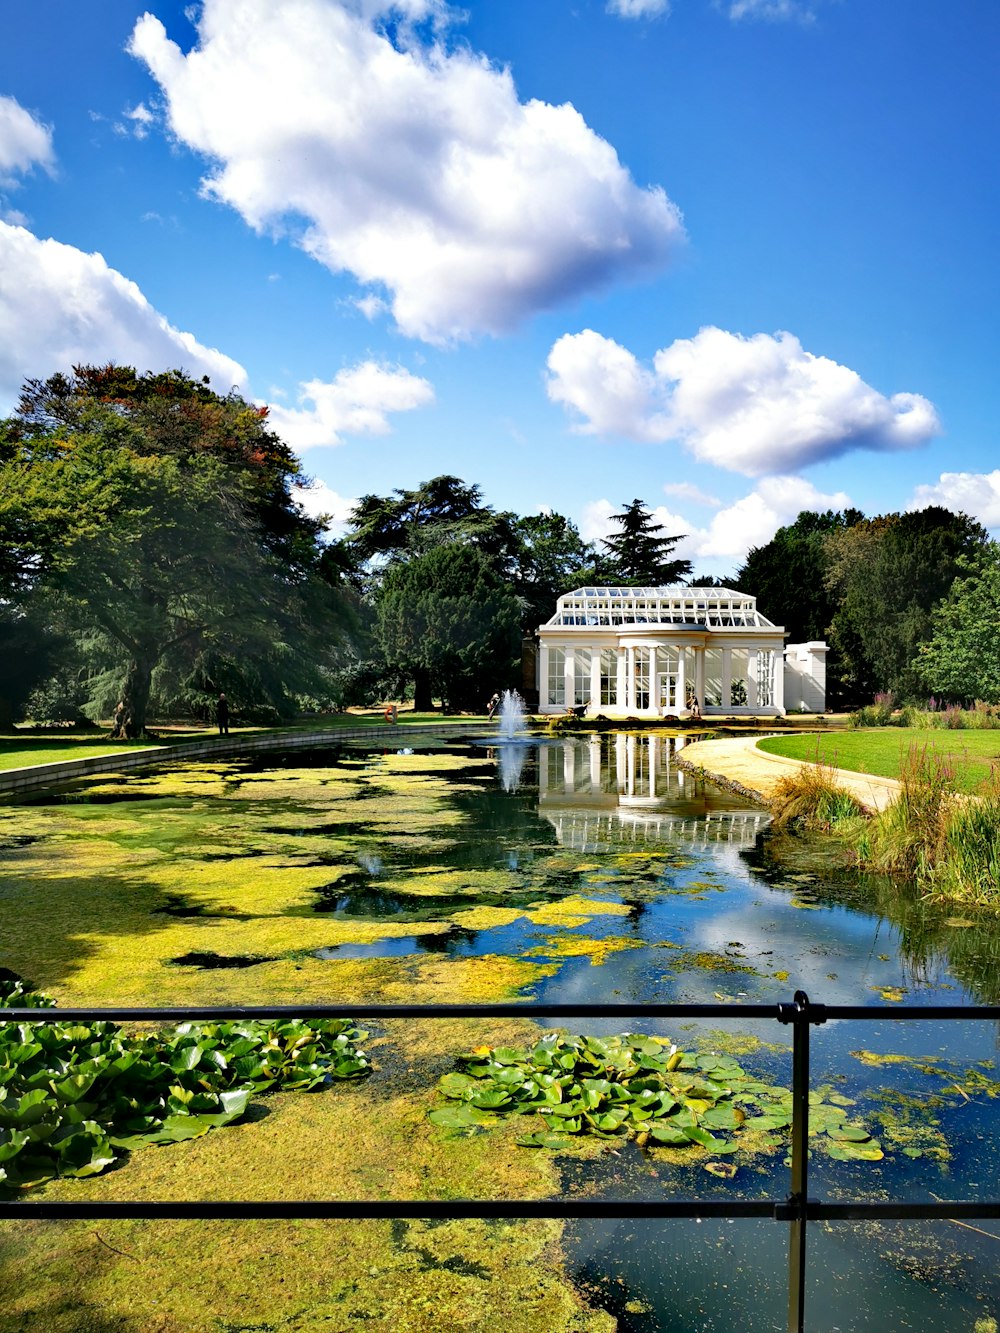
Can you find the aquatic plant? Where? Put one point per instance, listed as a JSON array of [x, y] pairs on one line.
[[633, 1086], [75, 1096], [949, 844], [811, 798]]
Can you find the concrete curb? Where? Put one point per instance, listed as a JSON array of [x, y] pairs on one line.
[[14, 780]]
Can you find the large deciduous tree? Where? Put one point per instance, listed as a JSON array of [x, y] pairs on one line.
[[157, 516]]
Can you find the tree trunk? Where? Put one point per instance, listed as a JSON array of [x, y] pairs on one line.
[[422, 701], [130, 717]]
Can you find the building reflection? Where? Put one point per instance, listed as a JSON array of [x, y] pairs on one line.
[[602, 790]]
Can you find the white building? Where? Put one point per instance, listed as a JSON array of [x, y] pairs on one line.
[[659, 652]]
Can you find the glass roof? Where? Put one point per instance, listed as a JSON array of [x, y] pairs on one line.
[[679, 605]]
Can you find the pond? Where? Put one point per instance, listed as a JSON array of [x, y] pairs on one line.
[[585, 870]]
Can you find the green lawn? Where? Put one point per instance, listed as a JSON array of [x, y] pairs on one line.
[[22, 749], [882, 750]]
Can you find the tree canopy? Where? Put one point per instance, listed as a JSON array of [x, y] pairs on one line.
[[155, 518], [886, 576]]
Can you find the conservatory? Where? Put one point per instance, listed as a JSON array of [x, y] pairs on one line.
[[658, 652]]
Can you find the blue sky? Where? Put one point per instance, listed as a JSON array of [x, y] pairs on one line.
[[734, 257]]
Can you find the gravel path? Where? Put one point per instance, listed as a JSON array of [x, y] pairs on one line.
[[741, 765]]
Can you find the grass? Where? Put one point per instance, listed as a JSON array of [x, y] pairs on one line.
[[972, 755], [26, 747]]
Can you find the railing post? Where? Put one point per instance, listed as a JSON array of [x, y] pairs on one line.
[[800, 1014]]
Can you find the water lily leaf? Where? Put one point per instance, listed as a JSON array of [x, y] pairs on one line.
[[491, 1099], [864, 1152], [668, 1134], [453, 1117], [726, 1116], [543, 1140], [849, 1134], [704, 1139], [724, 1170], [456, 1085]]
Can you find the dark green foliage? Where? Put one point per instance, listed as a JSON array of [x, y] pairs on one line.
[[440, 512], [642, 1087], [887, 575], [637, 554], [75, 1096], [788, 578], [551, 558], [449, 621], [961, 659]]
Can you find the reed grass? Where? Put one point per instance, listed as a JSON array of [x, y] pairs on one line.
[[810, 798], [947, 842]]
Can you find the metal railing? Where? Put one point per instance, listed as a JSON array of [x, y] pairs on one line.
[[797, 1209]]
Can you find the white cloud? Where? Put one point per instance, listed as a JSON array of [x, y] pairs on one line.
[[139, 118], [595, 521], [974, 493], [356, 401], [753, 405], [754, 519], [750, 521], [773, 11], [684, 490], [24, 141], [638, 9], [320, 499], [416, 167], [60, 306]]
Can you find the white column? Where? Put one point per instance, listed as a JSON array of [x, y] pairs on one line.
[[543, 674], [621, 770], [630, 679], [699, 677], [595, 679], [752, 664], [681, 681], [568, 666], [727, 677], [621, 676], [569, 753], [653, 744], [595, 763], [778, 684], [654, 701]]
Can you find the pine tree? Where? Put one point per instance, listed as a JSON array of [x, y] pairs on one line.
[[637, 554]]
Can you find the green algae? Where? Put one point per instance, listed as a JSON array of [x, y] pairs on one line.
[[409, 1276], [581, 946], [705, 960]]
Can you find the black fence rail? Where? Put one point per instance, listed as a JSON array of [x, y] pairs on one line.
[[796, 1209]]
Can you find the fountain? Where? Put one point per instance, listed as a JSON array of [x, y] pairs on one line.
[[512, 714]]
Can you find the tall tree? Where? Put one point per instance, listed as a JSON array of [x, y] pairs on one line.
[[449, 621], [160, 517], [887, 574], [961, 659], [637, 554]]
